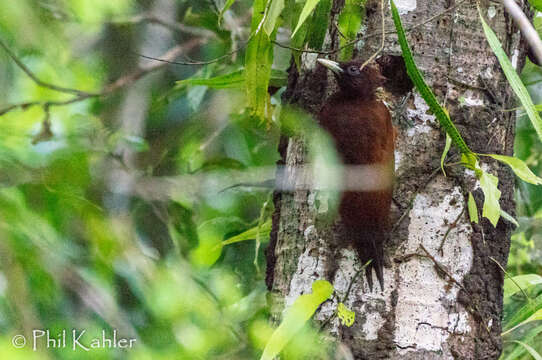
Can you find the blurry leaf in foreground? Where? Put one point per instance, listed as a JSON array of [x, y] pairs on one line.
[[531, 351], [234, 79], [296, 316], [537, 4], [349, 24], [512, 286], [211, 234], [250, 234], [307, 9], [273, 14]]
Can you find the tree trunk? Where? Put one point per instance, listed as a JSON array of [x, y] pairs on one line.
[[422, 313]]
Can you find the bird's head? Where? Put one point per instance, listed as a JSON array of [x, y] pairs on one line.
[[353, 79]]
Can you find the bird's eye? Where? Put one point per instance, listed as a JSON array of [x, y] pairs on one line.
[[353, 70]]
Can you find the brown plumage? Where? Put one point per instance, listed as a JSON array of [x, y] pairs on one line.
[[361, 127]]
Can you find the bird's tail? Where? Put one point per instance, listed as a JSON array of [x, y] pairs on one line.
[[369, 244]]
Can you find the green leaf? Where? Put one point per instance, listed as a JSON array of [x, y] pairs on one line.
[[525, 314], [296, 316], [307, 10], [512, 76], [318, 24], [473, 209], [349, 24], [537, 4], [492, 208], [509, 218], [512, 286], [258, 61], [519, 168], [527, 337], [250, 234], [226, 7], [424, 90], [531, 351], [445, 152], [275, 9], [536, 316], [346, 316], [235, 79]]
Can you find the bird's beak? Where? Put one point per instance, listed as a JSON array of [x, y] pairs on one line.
[[331, 65]]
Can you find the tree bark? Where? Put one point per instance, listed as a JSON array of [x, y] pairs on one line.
[[422, 313]]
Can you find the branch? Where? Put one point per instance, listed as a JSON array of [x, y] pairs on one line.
[[34, 78], [174, 26], [120, 83], [527, 29]]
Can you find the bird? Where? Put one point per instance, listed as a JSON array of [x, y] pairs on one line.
[[360, 126]]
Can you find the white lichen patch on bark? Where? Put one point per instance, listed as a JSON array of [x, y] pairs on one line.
[[309, 269], [421, 116], [405, 6], [427, 311], [470, 99]]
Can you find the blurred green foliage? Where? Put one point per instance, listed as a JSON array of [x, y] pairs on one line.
[[117, 217]]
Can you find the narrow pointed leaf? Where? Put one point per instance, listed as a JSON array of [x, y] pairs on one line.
[[307, 10], [275, 9], [440, 113], [513, 77], [295, 318], [519, 168], [445, 152], [492, 208], [473, 209]]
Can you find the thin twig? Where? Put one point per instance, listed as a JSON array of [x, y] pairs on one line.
[[452, 226], [383, 38], [120, 83], [363, 37], [37, 80]]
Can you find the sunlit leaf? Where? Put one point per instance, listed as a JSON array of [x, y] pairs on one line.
[[519, 168], [234, 79], [250, 234], [296, 316], [445, 152], [275, 9], [424, 90], [307, 10], [512, 77], [346, 315], [492, 208], [473, 209]]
